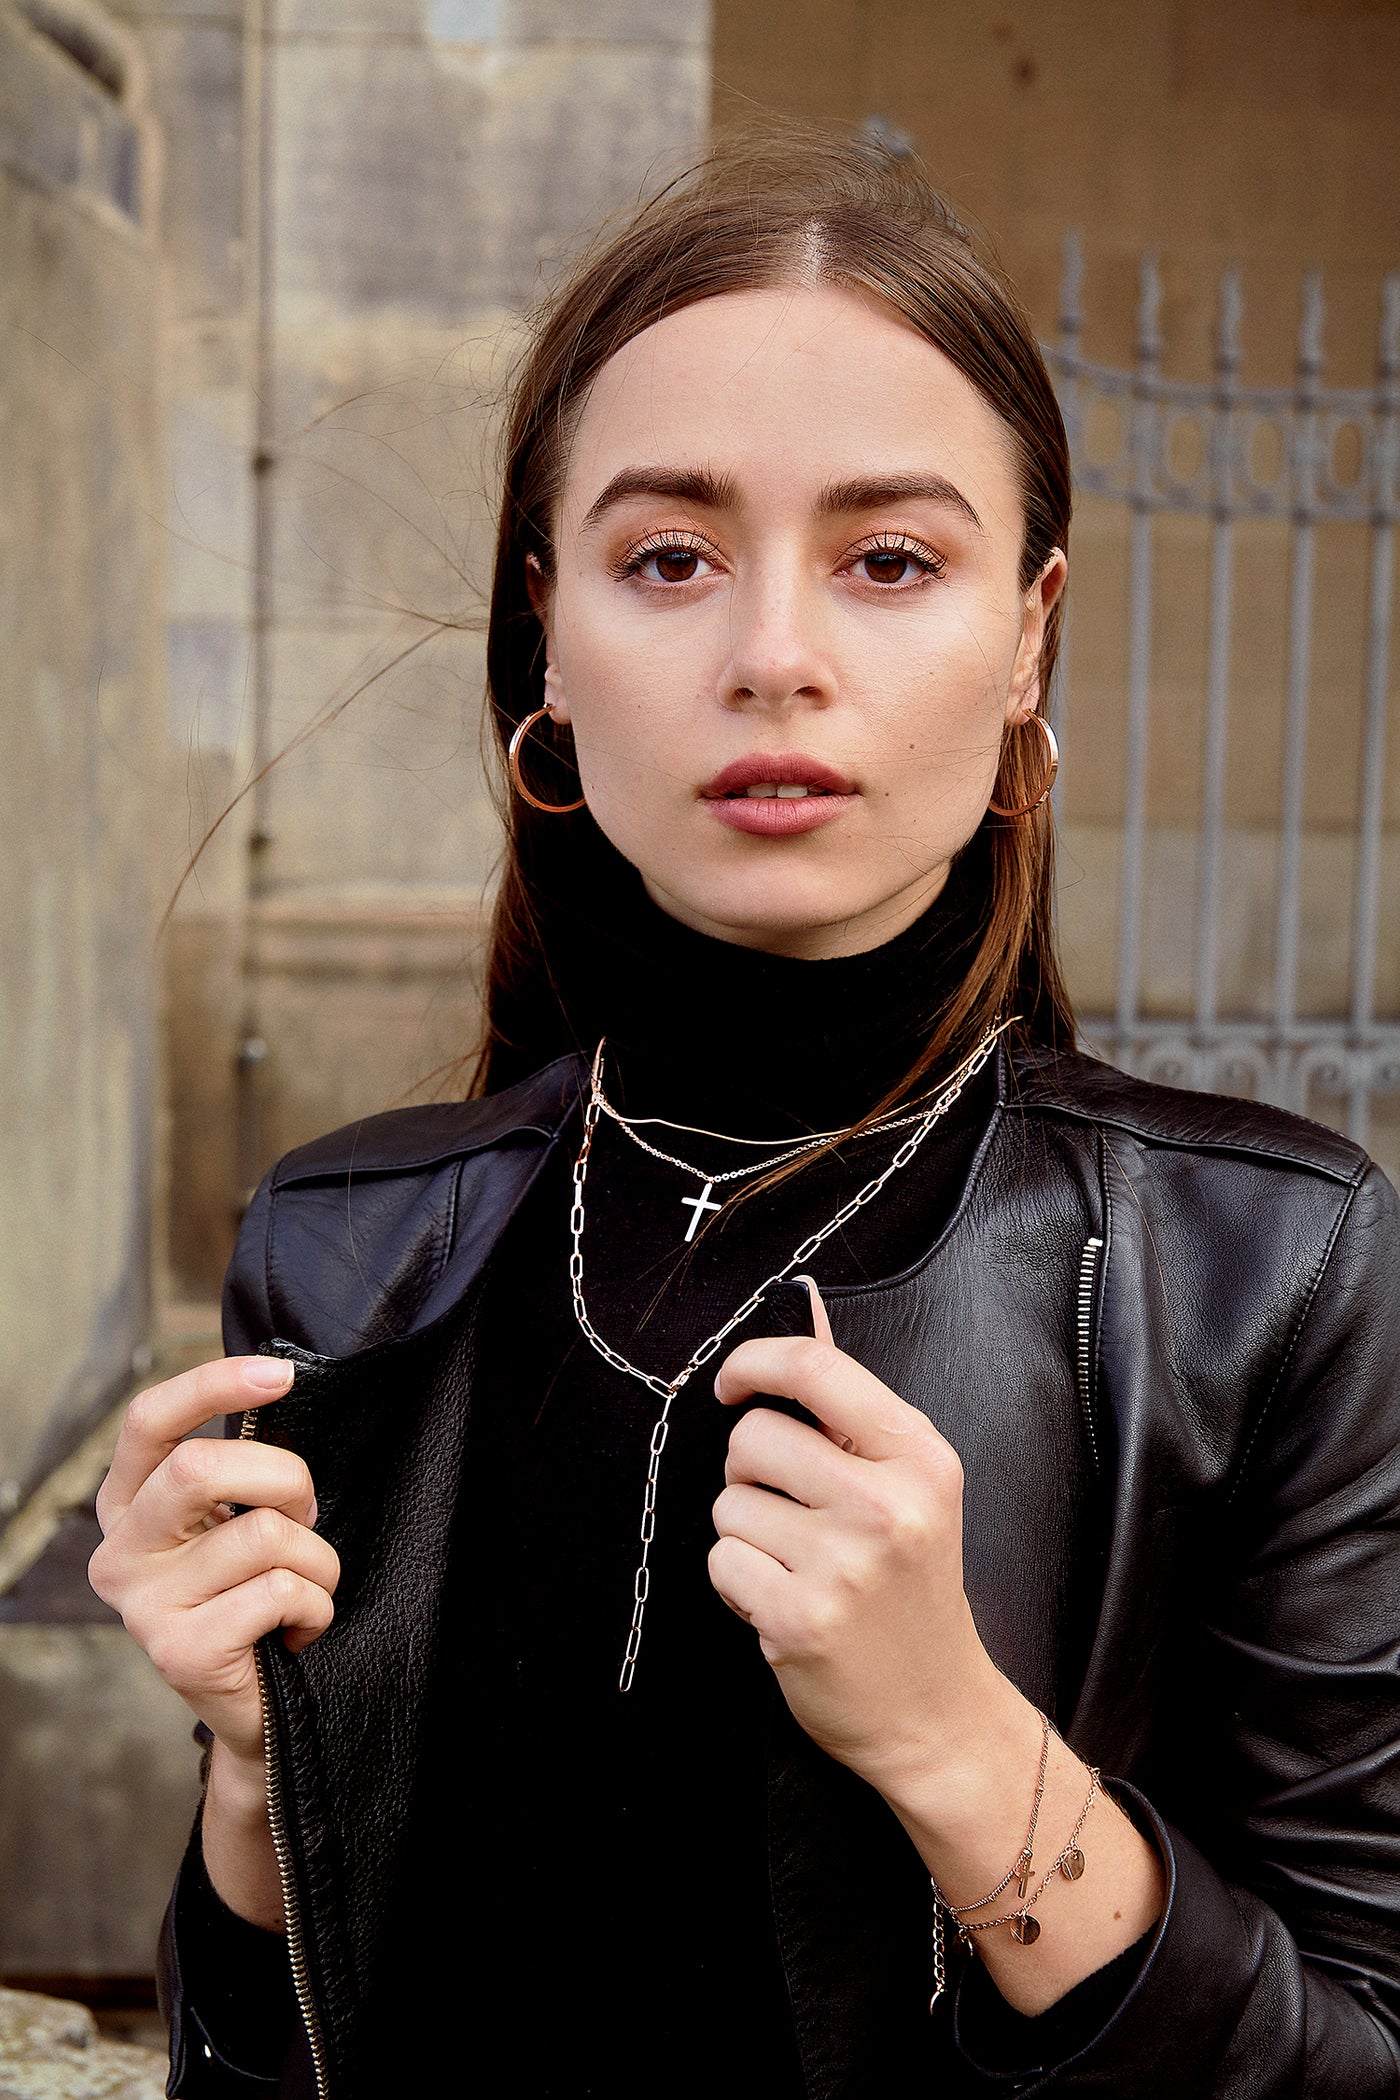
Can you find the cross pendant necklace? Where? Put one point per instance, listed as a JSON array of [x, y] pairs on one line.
[[697, 1206]]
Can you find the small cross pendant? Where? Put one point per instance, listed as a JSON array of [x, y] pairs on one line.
[[697, 1206]]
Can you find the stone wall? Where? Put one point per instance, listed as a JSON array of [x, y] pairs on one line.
[[394, 182], [79, 742]]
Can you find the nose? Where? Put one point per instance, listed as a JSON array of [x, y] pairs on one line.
[[777, 650]]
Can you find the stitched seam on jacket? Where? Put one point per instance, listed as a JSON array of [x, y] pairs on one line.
[[1324, 1263], [1240, 1148]]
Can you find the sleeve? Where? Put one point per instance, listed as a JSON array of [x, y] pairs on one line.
[[225, 1990], [1273, 1786], [1008, 2044]]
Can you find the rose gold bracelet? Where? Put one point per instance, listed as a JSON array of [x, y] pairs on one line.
[[1025, 1929]]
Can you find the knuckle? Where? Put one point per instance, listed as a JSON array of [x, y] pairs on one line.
[[99, 1569], [268, 1532], [815, 1361], [188, 1464], [210, 1384], [296, 1474], [139, 1419], [283, 1587]]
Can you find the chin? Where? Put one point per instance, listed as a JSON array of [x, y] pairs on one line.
[[784, 909]]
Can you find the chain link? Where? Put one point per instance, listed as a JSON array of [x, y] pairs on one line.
[[779, 1159], [667, 1389]]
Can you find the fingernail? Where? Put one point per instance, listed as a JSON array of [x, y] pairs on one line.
[[270, 1374]]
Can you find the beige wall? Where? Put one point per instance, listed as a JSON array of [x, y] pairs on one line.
[[78, 750], [394, 181]]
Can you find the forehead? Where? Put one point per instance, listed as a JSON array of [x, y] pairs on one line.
[[808, 385]]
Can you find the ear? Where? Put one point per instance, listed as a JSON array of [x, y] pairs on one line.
[[542, 604], [1024, 696]]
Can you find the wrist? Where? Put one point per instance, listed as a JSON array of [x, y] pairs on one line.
[[948, 1778], [236, 1791]]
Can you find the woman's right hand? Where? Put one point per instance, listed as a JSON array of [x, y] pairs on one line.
[[196, 1585]]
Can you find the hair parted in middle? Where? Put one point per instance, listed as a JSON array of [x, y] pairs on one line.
[[784, 207]]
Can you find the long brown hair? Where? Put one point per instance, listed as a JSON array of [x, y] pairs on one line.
[[787, 208]]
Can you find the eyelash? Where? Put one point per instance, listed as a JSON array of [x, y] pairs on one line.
[[914, 550], [635, 558]]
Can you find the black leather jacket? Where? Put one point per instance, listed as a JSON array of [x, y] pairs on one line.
[[1200, 1297]]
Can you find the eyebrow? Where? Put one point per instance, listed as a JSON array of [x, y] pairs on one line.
[[687, 484], [700, 486], [871, 492]]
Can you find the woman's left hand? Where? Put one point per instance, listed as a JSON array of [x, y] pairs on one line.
[[842, 1547]]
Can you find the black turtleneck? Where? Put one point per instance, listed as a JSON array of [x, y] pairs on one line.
[[616, 1844]]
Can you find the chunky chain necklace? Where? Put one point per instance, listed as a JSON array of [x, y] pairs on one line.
[[667, 1389]]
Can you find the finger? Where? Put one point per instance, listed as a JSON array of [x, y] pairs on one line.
[[776, 1526], [158, 1419], [796, 1458], [821, 1325], [217, 1636], [821, 1328], [200, 1474], [750, 1582], [249, 1545], [840, 1392]]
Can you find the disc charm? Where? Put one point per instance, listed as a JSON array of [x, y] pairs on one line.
[[1072, 1865], [1025, 1930]]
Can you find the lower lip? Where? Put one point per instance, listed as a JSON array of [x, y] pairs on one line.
[[778, 816]]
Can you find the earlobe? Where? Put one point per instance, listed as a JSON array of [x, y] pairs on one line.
[[554, 698]]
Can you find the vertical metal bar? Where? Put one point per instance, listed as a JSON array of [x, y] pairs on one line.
[[1303, 475], [1366, 913], [1208, 888], [1143, 441]]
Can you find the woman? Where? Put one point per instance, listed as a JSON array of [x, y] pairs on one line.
[[799, 1378]]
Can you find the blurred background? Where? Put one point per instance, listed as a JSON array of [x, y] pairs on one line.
[[262, 268]]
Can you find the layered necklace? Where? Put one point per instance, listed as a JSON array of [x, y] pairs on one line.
[[666, 1389]]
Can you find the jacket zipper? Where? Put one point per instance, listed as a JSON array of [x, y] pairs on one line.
[[1088, 1270], [277, 1823]]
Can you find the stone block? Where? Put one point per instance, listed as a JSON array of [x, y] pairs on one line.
[[50, 2049]]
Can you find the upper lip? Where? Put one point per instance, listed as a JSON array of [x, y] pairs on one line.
[[783, 768]]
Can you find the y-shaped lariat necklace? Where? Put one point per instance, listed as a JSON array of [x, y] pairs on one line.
[[667, 1389]]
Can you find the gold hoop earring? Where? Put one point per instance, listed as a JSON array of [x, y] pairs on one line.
[[1052, 767], [551, 809]]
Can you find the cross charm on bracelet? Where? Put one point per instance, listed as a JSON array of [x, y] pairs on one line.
[[698, 1205]]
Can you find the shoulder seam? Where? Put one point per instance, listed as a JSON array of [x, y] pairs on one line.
[[1249, 1148]]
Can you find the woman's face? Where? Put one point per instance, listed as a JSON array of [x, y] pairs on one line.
[[785, 621]]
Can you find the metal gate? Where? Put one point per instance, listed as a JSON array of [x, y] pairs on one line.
[[1340, 1062]]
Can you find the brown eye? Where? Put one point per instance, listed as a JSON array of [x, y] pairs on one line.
[[888, 564], [675, 564]]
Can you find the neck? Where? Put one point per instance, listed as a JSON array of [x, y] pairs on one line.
[[710, 1032]]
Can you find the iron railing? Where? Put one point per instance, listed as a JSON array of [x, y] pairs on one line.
[[1348, 1057]]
